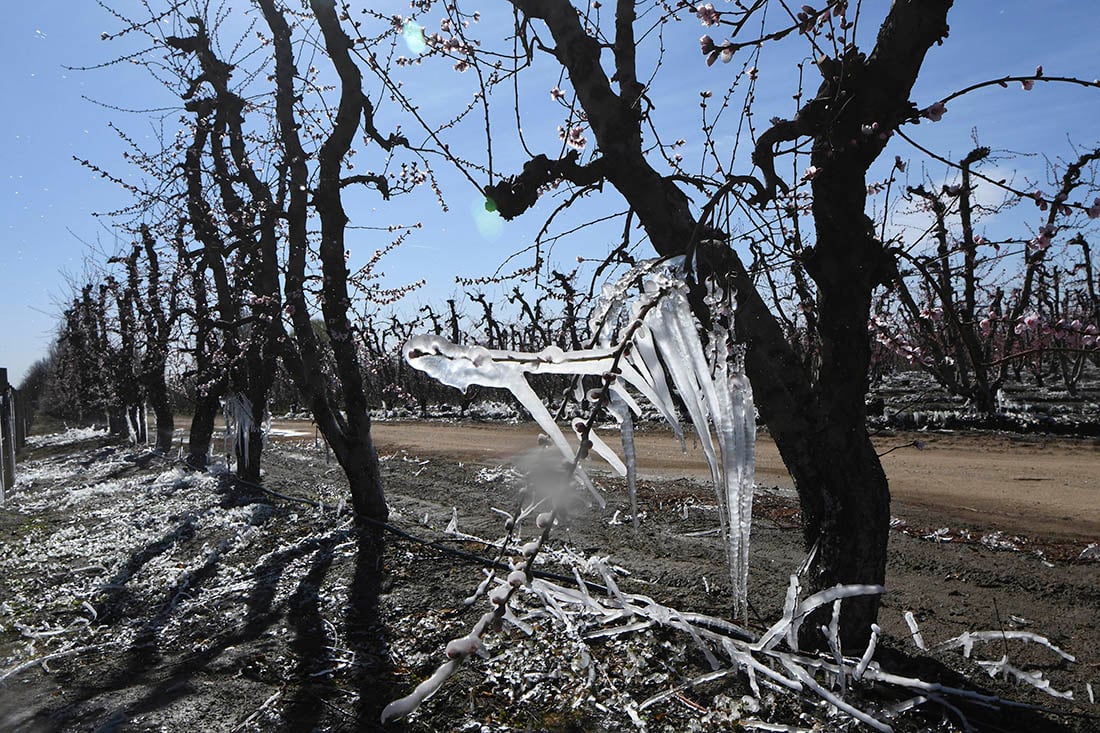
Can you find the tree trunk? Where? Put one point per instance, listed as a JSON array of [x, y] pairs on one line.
[[166, 425], [359, 460], [116, 421], [348, 433], [202, 430]]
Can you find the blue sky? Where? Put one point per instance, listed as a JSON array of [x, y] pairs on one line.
[[47, 201]]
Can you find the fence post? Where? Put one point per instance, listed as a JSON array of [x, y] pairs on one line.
[[20, 417], [7, 435]]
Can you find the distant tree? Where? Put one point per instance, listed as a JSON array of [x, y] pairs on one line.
[[969, 308], [36, 383], [157, 297]]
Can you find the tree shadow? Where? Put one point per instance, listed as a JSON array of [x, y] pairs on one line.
[[373, 674], [311, 646], [151, 675], [144, 651], [979, 716], [113, 602]]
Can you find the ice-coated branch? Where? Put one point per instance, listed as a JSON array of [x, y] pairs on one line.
[[656, 340]]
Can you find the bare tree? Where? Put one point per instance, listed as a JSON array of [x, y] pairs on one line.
[[817, 420], [346, 426]]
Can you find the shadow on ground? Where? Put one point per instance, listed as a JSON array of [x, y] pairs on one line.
[[297, 644]]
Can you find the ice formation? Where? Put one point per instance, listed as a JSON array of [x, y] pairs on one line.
[[652, 342], [239, 423]]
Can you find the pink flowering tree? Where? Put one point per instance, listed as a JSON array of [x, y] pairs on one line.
[[972, 311]]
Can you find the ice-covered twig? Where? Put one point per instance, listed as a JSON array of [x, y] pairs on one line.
[[966, 640], [258, 711], [405, 705], [1003, 668], [661, 334], [914, 631], [20, 668]]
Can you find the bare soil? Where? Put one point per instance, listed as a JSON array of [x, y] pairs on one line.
[[178, 601], [1030, 485]]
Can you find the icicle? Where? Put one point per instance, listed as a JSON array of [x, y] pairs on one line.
[[613, 297], [603, 450], [463, 366], [674, 353], [713, 395], [238, 424], [621, 411]]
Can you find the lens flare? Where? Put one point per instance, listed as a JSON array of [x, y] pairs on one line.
[[488, 222], [413, 34]]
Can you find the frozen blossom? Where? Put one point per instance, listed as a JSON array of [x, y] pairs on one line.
[[935, 112], [707, 15]]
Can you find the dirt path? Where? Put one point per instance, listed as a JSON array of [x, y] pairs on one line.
[[1028, 485]]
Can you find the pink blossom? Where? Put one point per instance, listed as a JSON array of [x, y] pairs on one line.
[[810, 173], [1041, 202], [574, 137], [1030, 322], [707, 15], [935, 112], [557, 94], [706, 44], [899, 163], [1027, 84], [1094, 210]]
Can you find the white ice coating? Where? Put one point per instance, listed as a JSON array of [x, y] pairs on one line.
[[458, 650], [621, 410], [665, 352], [462, 366], [238, 420], [716, 394]]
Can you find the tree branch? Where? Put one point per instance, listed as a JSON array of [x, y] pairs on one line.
[[515, 195]]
